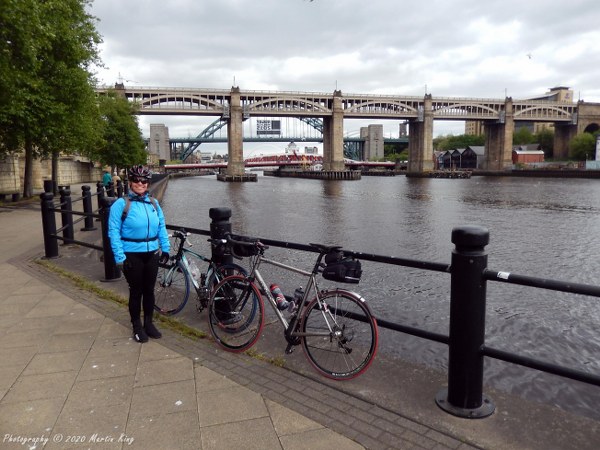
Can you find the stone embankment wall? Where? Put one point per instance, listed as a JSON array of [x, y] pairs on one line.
[[71, 170]]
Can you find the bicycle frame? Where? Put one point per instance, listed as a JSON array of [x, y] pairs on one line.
[[335, 327], [312, 285]]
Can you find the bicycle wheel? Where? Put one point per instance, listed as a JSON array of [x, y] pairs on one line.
[[172, 289], [235, 313], [222, 271], [341, 337]]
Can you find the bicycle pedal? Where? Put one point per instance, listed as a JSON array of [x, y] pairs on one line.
[[289, 349]]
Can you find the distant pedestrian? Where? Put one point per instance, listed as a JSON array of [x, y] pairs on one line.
[[116, 178], [106, 178], [136, 228]]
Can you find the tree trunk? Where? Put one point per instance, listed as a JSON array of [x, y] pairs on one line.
[[28, 176], [55, 156]]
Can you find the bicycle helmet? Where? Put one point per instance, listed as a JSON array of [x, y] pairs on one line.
[[139, 171]]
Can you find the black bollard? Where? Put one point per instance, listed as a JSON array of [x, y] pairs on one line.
[[125, 187], [110, 189], [100, 195], [464, 396], [119, 188], [111, 271], [86, 195], [49, 225], [66, 214], [219, 228], [49, 186]]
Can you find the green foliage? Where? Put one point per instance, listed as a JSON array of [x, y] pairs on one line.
[[47, 99], [395, 152], [522, 136], [583, 147], [451, 142], [122, 144], [546, 140]]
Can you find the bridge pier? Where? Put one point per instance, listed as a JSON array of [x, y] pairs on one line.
[[420, 144], [563, 133], [333, 136], [498, 139], [235, 135]]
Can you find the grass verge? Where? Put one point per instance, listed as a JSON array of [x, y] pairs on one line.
[[169, 322], [104, 294]]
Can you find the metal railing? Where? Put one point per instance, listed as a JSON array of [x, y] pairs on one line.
[[469, 275]]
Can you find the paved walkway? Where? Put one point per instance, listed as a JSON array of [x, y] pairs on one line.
[[72, 377]]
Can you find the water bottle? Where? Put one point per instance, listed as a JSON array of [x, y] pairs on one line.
[[298, 295], [282, 303], [194, 270], [296, 300]]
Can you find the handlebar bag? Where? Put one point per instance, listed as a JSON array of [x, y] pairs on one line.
[[347, 270], [244, 250]]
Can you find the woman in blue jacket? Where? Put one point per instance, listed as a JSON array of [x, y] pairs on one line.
[[136, 228]]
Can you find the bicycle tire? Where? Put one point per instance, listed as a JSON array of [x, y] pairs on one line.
[[224, 270], [235, 313], [350, 349], [172, 289]]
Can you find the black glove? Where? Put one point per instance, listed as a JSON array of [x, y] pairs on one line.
[[164, 258]]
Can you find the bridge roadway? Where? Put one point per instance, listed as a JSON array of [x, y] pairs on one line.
[[499, 117], [216, 102]]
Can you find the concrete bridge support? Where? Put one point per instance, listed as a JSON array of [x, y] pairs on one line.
[[498, 140], [235, 135], [333, 136], [587, 121], [563, 133], [420, 144]]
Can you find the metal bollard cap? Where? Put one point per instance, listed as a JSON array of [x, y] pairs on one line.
[[471, 236]]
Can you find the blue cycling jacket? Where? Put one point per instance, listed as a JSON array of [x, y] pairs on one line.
[[143, 230]]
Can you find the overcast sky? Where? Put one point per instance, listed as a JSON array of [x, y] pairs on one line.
[[449, 48]]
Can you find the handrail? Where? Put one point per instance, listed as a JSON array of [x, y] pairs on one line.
[[469, 275]]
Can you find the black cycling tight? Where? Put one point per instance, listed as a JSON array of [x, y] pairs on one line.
[[140, 270]]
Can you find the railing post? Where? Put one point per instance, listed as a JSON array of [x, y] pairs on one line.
[[49, 186], [125, 186], [86, 195], [100, 196], [219, 228], [464, 396], [110, 189], [119, 188], [111, 271], [49, 225], [66, 214]]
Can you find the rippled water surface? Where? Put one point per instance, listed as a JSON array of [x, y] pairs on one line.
[[539, 227]]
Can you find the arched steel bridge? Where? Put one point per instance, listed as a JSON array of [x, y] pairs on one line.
[[498, 115], [215, 102], [208, 135]]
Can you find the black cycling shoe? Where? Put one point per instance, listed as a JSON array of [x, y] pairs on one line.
[[139, 334], [152, 331]]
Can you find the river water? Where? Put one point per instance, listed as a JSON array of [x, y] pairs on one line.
[[539, 227]]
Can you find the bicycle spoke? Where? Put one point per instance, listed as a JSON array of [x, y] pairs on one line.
[[172, 289], [341, 338]]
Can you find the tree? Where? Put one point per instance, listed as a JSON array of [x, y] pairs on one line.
[[583, 147], [48, 98], [546, 140], [522, 136], [122, 142]]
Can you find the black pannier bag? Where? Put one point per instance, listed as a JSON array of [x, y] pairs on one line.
[[344, 270], [243, 250]]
